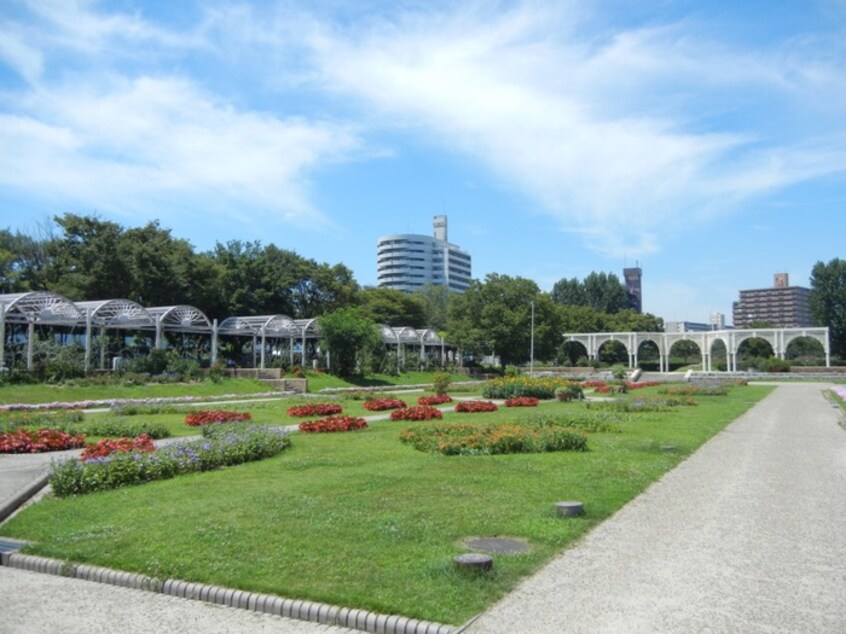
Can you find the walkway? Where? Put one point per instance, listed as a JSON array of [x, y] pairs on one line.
[[748, 535]]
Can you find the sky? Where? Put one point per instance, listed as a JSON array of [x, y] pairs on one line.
[[703, 141]]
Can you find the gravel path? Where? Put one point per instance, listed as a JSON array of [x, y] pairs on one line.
[[748, 535]]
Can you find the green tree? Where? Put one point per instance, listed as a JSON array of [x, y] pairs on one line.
[[435, 299], [22, 262], [569, 292], [828, 301], [603, 292], [350, 339], [392, 307]]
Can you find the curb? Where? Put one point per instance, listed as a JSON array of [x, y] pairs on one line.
[[266, 603], [22, 496]]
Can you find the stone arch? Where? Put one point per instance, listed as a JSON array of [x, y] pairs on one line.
[[687, 345], [620, 354], [802, 349], [649, 344]]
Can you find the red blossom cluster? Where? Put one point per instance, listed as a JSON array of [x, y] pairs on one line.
[[315, 409], [23, 441], [435, 399], [641, 384], [333, 423], [594, 383], [601, 387], [522, 401], [206, 417], [382, 404], [420, 412], [107, 447], [476, 406]]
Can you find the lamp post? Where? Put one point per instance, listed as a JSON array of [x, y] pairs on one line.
[[532, 345]]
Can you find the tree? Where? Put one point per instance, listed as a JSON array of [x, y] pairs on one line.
[[392, 307], [601, 291], [569, 292], [435, 299], [828, 301], [350, 338]]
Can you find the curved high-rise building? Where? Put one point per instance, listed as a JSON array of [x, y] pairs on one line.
[[408, 261]]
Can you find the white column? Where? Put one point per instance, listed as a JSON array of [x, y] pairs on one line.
[[87, 340], [214, 342], [2, 335], [29, 337]]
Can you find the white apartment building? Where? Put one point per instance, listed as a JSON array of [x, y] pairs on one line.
[[408, 261]]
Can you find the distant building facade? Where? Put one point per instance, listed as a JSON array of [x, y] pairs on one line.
[[717, 321], [686, 326], [408, 261], [632, 277], [782, 306]]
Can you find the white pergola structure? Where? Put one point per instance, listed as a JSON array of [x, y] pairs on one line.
[[264, 326], [111, 314], [778, 338], [35, 308], [404, 336]]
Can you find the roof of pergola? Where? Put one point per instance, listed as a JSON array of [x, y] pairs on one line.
[[40, 307], [117, 313], [428, 336], [181, 317], [275, 325]]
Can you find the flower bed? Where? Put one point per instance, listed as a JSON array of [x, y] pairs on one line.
[[420, 412], [509, 387], [117, 428], [107, 447], [470, 440], [222, 445], [434, 399], [40, 441], [208, 417], [522, 401], [333, 423], [383, 404], [315, 409], [475, 406], [696, 390]]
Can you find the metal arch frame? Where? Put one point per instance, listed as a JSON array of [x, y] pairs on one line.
[[778, 338], [34, 307], [264, 325], [111, 313]]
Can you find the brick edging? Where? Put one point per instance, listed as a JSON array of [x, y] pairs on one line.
[[256, 602]]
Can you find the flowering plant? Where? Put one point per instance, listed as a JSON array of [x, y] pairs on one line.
[[206, 417], [333, 423], [420, 412], [476, 406], [522, 401], [315, 409], [24, 441], [469, 440], [509, 386], [382, 404], [435, 399], [107, 447]]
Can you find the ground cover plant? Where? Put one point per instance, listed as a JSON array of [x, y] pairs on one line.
[[696, 390], [434, 399], [107, 447], [417, 412], [456, 439], [333, 424], [362, 520], [522, 401], [11, 421], [383, 404], [314, 409], [469, 407], [510, 386], [40, 441], [210, 417]]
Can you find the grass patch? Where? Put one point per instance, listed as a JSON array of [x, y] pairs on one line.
[[361, 520], [317, 382]]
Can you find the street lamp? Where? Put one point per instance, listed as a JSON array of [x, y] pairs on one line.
[[532, 345]]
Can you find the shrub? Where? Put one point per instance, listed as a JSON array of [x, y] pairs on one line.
[[315, 409], [435, 399], [441, 381], [108, 427], [383, 404], [107, 447], [34, 420], [522, 401], [570, 392], [508, 387], [469, 440], [476, 406], [207, 417], [222, 445], [25, 441], [137, 409], [590, 422], [696, 390], [420, 412], [643, 404], [332, 424]]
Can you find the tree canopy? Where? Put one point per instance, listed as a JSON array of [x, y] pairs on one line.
[[828, 301], [603, 292]]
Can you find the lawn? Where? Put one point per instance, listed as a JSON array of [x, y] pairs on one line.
[[358, 519]]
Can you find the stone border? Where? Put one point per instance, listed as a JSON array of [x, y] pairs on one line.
[[266, 603], [20, 498]]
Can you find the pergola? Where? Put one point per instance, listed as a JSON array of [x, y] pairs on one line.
[[111, 314], [36, 307]]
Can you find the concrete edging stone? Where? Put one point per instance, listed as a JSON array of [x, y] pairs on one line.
[[252, 601]]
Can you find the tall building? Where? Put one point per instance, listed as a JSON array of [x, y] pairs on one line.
[[407, 261], [782, 306], [632, 277], [717, 321]]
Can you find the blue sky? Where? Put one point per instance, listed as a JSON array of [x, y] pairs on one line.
[[704, 140]]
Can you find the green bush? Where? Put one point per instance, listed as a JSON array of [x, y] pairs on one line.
[[590, 422], [64, 420], [509, 387], [227, 445], [441, 382], [452, 439], [118, 428]]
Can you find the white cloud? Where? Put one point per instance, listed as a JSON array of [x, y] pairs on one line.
[[21, 57]]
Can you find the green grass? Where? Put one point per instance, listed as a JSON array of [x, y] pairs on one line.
[[42, 393], [317, 382], [359, 519]]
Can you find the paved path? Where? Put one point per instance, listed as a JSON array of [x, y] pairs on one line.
[[748, 535]]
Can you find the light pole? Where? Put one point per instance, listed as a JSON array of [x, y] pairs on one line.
[[532, 346]]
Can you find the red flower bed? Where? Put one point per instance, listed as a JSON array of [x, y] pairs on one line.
[[435, 399], [594, 383], [315, 409], [522, 401], [23, 441], [382, 404], [637, 386], [206, 417], [107, 447], [333, 423], [476, 406], [420, 412]]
